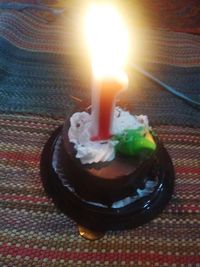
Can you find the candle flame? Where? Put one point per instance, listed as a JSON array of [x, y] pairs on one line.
[[107, 39]]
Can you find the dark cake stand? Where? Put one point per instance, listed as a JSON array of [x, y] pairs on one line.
[[94, 220]]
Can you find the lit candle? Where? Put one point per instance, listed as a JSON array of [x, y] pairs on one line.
[[107, 41], [103, 104]]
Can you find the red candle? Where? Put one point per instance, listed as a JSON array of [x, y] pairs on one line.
[[103, 106], [107, 40]]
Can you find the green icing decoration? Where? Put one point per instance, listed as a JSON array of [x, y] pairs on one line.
[[134, 142]]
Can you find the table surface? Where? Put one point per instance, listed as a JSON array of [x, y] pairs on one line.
[[41, 68]]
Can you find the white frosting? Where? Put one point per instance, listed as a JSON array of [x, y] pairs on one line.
[[95, 151]]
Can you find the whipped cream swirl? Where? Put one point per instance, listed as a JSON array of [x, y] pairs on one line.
[[100, 151]]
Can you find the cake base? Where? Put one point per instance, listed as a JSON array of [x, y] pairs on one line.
[[99, 218]]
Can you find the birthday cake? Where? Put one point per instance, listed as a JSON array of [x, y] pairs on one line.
[[114, 172], [105, 167]]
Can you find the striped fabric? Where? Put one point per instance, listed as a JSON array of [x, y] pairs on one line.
[[34, 233], [177, 15], [42, 63], [41, 67]]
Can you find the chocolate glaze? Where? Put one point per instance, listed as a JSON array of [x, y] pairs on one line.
[[104, 182]]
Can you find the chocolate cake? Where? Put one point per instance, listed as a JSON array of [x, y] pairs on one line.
[[121, 193], [105, 182]]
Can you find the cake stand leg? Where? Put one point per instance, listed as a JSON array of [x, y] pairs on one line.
[[89, 234]]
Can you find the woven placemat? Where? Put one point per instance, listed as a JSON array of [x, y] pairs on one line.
[[34, 233]]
